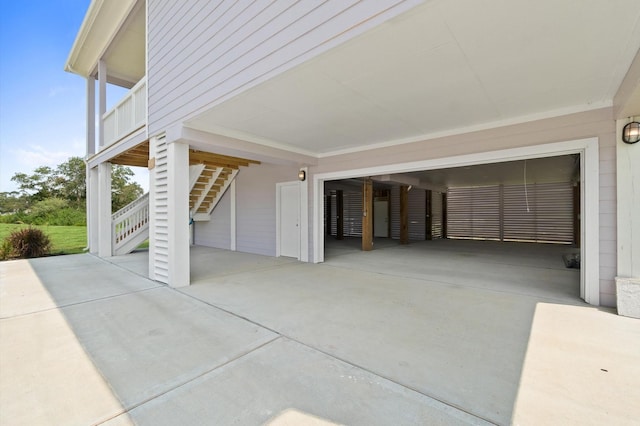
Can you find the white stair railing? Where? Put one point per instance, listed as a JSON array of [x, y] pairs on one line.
[[129, 225]]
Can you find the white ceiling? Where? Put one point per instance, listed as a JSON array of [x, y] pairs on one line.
[[126, 56], [564, 168], [444, 66]]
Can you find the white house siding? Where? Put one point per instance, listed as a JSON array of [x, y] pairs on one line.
[[597, 123], [256, 206], [216, 232], [202, 52], [159, 212]]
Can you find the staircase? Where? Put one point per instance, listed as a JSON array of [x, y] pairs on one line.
[[210, 175], [130, 226], [208, 189]]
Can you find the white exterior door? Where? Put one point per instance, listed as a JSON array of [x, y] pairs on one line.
[[289, 219], [381, 219]]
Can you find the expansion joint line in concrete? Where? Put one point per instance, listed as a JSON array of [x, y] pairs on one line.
[[186, 382], [293, 339], [68, 305]]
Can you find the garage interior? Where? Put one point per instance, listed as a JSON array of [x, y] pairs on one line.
[[510, 226]]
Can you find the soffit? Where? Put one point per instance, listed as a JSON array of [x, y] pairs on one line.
[[115, 31], [442, 66]]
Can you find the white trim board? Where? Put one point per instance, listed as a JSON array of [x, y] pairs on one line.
[[590, 199]]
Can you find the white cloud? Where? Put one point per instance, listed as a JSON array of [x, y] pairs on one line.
[[36, 156], [55, 91]]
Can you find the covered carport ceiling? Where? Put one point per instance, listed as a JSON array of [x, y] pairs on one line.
[[445, 66], [563, 168]]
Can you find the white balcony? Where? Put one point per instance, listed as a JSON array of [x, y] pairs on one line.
[[129, 115]]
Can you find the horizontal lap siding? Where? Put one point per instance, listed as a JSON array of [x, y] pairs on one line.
[[202, 52], [256, 206], [217, 231]]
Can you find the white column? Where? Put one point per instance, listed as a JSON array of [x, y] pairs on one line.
[[628, 187], [178, 215], [628, 200], [92, 209], [304, 217], [104, 210], [102, 98], [232, 215], [91, 116]]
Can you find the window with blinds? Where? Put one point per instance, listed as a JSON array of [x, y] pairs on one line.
[[436, 215], [351, 215], [549, 217], [474, 213], [541, 213]]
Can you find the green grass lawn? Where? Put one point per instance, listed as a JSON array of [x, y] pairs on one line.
[[64, 239]]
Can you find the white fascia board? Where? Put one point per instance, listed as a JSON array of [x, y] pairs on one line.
[[101, 23], [236, 147], [118, 148]]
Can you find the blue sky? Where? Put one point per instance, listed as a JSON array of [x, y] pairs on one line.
[[42, 107]]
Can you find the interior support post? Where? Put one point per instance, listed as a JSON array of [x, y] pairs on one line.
[[444, 215], [105, 233], [429, 215], [367, 215], [404, 214], [327, 203], [339, 217], [178, 217]]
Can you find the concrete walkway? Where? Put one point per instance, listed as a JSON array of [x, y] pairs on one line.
[[259, 340]]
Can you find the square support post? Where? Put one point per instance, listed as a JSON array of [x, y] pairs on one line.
[[93, 210], [339, 213], [404, 214], [105, 234], [178, 213], [91, 116], [102, 98]]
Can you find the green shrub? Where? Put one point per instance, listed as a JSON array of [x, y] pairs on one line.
[[66, 217], [5, 249], [27, 243]]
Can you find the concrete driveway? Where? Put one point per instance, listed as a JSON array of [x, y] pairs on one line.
[[259, 340]]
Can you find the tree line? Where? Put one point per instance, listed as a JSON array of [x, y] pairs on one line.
[[58, 195]]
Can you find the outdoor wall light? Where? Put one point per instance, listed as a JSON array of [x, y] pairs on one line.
[[302, 175], [631, 132]]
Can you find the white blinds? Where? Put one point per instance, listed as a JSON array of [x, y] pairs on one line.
[[500, 213]]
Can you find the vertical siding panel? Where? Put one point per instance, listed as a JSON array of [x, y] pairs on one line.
[[160, 212]]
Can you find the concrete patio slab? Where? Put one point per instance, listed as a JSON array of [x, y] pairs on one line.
[[462, 345], [529, 269], [284, 335], [69, 279], [147, 343], [582, 367], [46, 377], [287, 381]]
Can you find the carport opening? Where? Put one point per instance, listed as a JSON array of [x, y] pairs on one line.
[[521, 213]]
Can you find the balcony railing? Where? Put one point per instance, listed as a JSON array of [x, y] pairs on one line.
[[129, 115]]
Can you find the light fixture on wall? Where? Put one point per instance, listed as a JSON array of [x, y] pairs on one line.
[[631, 132], [302, 175]]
